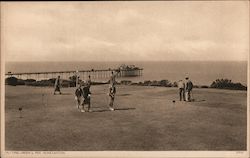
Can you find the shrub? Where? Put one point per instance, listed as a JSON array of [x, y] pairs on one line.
[[11, 81], [204, 86], [175, 84], [161, 83], [72, 78], [227, 84], [155, 83], [30, 80], [196, 86], [140, 83], [52, 80], [134, 83], [164, 83], [126, 82], [147, 83], [98, 83], [66, 83], [20, 82]]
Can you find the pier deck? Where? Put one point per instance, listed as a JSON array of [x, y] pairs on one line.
[[99, 73]]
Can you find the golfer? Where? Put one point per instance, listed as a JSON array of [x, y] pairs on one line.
[[112, 78], [77, 77], [79, 96], [89, 82], [57, 85], [78, 81], [188, 89], [181, 90], [112, 91], [86, 96]]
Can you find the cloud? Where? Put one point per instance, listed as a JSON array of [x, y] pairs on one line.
[[126, 31]]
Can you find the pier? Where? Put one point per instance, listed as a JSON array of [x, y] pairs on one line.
[[95, 74]]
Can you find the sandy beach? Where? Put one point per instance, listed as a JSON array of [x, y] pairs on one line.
[[145, 119]]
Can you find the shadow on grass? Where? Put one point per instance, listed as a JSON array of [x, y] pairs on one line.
[[125, 109], [103, 110], [64, 94], [198, 100], [123, 94], [230, 106]]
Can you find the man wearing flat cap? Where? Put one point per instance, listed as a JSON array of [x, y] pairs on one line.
[[188, 89]]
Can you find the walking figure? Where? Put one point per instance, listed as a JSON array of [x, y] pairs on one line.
[[57, 85], [112, 91]]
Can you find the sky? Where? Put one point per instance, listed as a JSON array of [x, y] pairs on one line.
[[125, 31]]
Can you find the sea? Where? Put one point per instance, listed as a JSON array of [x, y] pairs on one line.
[[200, 72]]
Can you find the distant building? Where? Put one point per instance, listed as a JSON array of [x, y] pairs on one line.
[[130, 71]]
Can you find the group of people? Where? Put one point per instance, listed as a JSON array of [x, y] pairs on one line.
[[83, 94], [185, 89]]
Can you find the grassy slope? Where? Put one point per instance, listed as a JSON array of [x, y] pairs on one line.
[[145, 119]]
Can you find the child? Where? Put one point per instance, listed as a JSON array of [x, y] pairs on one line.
[[112, 91], [79, 96], [86, 96]]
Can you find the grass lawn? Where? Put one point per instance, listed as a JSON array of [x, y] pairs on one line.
[[145, 119]]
